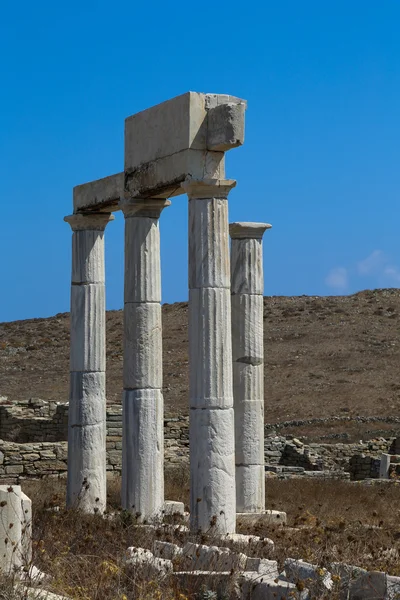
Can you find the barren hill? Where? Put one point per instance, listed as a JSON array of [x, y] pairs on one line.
[[324, 357]]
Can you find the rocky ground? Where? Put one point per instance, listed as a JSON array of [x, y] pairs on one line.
[[325, 357]]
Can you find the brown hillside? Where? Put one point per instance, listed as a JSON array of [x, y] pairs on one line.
[[325, 356]]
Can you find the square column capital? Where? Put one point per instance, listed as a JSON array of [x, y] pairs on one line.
[[208, 188], [89, 221], [252, 231]]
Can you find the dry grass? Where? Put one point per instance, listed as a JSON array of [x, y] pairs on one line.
[[327, 522], [324, 357]]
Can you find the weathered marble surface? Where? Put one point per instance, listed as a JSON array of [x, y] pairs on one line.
[[10, 528], [248, 366], [212, 452], [86, 483], [183, 138], [143, 416], [143, 453]]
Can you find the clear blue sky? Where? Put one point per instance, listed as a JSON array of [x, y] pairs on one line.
[[320, 160]]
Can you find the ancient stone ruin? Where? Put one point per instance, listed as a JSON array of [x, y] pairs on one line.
[[175, 148]]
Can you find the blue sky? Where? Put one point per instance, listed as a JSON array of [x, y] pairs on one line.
[[320, 160]]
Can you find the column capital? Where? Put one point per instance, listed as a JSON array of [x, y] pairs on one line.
[[89, 221], [143, 207], [242, 231], [208, 188]]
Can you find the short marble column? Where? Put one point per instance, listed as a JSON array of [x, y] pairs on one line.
[[248, 363], [143, 405], [86, 482], [212, 452]]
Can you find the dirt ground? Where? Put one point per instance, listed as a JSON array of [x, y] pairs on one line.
[[324, 357]]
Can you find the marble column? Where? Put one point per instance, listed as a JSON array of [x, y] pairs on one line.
[[11, 520], [143, 405], [86, 483], [247, 282], [212, 458]]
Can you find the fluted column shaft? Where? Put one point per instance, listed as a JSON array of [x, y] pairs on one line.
[[143, 406], [248, 363], [86, 482], [212, 460]]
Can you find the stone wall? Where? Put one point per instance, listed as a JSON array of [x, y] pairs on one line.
[[35, 434]]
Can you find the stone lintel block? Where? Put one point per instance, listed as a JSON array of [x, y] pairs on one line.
[[210, 349], [248, 382], [166, 177], [247, 266], [142, 346], [189, 121], [26, 538], [86, 486], [248, 329], [88, 327], [143, 453], [142, 260], [209, 243], [10, 528], [101, 194], [87, 405], [249, 432], [250, 488], [88, 257], [212, 458]]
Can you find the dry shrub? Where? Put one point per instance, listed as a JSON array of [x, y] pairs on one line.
[[328, 521]]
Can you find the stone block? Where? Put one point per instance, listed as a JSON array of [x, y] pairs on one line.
[[225, 126], [173, 141], [151, 566], [267, 517], [248, 329], [247, 266], [256, 587], [384, 466], [166, 550], [210, 345], [142, 346], [209, 244], [88, 328], [102, 194], [172, 508], [86, 488], [10, 528], [249, 433], [370, 586], [88, 253], [88, 400], [26, 532], [142, 260], [222, 583], [212, 465], [263, 566], [211, 558], [250, 488], [248, 381], [143, 453], [320, 580]]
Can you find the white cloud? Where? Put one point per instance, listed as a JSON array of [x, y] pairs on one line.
[[373, 264], [393, 273], [337, 278]]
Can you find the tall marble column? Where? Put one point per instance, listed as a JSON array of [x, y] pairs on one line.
[[86, 483], [248, 363], [143, 405], [212, 452]]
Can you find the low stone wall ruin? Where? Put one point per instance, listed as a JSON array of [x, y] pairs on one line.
[[33, 443]]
